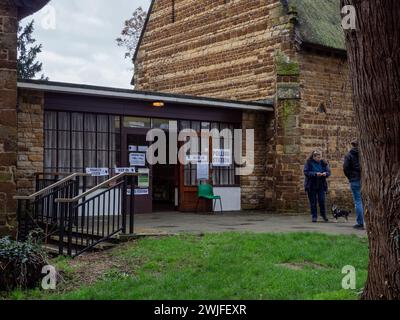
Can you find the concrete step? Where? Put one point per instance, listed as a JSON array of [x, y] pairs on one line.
[[52, 246], [53, 249]]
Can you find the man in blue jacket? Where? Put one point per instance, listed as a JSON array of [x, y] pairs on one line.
[[352, 170]]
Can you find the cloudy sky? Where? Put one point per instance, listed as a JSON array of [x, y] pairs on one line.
[[78, 38]]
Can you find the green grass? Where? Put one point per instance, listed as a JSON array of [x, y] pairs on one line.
[[226, 266]]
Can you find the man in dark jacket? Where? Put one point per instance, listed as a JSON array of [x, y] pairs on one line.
[[352, 170]]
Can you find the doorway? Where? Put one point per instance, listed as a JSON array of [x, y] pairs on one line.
[[134, 155], [165, 185], [162, 192]]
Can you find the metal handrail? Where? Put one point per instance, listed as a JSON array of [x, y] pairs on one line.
[[99, 186], [56, 184]]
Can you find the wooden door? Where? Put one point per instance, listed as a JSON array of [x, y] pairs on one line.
[[188, 187]]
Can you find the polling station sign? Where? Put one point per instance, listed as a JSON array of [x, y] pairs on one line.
[[222, 158], [137, 159], [97, 172], [125, 170]]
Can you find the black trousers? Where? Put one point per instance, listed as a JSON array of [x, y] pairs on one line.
[[317, 197]]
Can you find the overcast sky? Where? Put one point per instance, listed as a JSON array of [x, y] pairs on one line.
[[79, 43]]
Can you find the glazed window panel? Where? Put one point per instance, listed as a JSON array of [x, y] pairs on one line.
[[90, 123], [160, 124], [90, 141], [77, 121], [50, 120], [102, 141], [75, 141], [219, 175], [64, 121], [137, 122], [50, 139], [77, 159], [64, 140]]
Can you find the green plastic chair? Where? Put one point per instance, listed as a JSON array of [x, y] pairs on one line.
[[206, 192]]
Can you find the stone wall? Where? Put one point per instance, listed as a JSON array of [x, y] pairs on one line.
[[215, 48], [255, 186], [30, 139], [327, 118], [313, 112], [8, 116]]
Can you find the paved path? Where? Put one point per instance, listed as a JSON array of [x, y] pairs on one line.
[[175, 222]]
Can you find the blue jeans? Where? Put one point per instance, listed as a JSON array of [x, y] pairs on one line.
[[317, 197], [356, 190]]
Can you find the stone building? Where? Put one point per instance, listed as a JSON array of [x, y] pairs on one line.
[[267, 65], [10, 12], [290, 52]]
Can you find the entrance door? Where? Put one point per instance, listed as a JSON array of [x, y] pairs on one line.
[[134, 155], [188, 182]]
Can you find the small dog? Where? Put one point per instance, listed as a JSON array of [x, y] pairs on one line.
[[338, 213]]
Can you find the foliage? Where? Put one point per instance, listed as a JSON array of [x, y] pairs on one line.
[[28, 66], [21, 263], [287, 109], [131, 32], [284, 66]]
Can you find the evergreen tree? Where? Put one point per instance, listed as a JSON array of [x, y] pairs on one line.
[[28, 66]]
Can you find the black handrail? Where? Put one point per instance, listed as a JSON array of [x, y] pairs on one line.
[[41, 211], [74, 217], [96, 216]]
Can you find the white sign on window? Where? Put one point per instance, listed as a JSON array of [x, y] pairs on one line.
[[137, 159], [136, 124], [133, 148], [222, 158], [141, 192], [195, 158], [202, 171], [97, 172], [125, 170]]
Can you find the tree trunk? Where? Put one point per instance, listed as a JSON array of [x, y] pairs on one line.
[[374, 61]]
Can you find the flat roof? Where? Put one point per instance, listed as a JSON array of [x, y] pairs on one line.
[[108, 92]]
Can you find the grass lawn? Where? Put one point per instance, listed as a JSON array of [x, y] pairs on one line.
[[214, 266]]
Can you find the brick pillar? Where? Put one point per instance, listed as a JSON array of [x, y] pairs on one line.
[[8, 115], [288, 170], [253, 186]]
